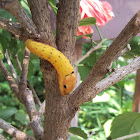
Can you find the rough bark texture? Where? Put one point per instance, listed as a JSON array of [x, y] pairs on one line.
[[55, 103], [136, 100], [41, 18], [66, 29], [59, 109]]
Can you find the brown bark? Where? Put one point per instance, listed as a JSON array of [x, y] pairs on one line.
[[59, 109], [68, 17], [41, 18], [136, 100], [55, 103]]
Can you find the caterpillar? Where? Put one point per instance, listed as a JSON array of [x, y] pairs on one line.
[[65, 71]]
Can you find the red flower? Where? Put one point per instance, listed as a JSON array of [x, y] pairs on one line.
[[102, 11]]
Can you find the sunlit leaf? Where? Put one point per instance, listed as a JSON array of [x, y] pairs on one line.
[[125, 124]]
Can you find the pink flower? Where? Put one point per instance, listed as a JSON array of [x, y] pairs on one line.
[[83, 30], [101, 10]]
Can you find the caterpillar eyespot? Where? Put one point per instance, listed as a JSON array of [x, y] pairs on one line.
[[65, 71], [65, 86]]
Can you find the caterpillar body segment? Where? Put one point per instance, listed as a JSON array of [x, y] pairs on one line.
[[65, 71]]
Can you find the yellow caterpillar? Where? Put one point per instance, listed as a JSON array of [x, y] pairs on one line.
[[65, 71]]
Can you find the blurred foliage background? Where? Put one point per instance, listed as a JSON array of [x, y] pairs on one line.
[[95, 117]]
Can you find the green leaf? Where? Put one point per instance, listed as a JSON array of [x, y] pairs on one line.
[[33, 65], [22, 117], [7, 113], [125, 124], [24, 4], [78, 131], [87, 21], [7, 15], [86, 65], [53, 5]]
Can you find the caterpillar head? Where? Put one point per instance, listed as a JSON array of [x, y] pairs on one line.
[[68, 84]]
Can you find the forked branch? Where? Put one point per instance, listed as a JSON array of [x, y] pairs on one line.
[[14, 7], [84, 92]]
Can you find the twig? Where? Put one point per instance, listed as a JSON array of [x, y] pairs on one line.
[[18, 62], [14, 131], [128, 48], [11, 26], [28, 83], [11, 67], [2, 137], [28, 98], [26, 95], [128, 136], [10, 80], [42, 109], [89, 52], [34, 93]]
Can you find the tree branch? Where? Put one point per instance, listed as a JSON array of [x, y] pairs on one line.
[[128, 48], [28, 100], [10, 80], [34, 93], [2, 137], [11, 67], [19, 135], [28, 83], [68, 18], [116, 76], [89, 52], [14, 7], [83, 92], [113, 78], [13, 28], [26, 95], [41, 17], [10, 26], [18, 62], [42, 109]]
